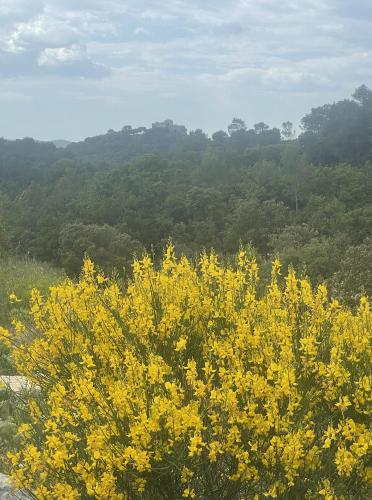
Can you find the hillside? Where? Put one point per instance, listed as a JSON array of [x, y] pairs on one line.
[[308, 200]]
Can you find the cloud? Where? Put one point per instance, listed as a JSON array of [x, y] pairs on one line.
[[71, 61], [61, 55], [39, 32], [183, 50], [49, 39], [53, 29], [195, 37]]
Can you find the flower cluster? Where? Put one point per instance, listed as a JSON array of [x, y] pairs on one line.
[[189, 384]]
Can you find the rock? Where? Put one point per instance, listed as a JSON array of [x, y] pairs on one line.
[[16, 383], [6, 491]]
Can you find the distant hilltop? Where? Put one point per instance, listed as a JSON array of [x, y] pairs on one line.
[[61, 143]]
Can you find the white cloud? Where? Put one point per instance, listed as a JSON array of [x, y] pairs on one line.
[[39, 32], [55, 30], [72, 61], [61, 55]]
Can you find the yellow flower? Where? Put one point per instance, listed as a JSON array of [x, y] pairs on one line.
[[345, 462], [13, 298], [188, 493], [196, 445], [181, 344], [193, 375], [343, 403]]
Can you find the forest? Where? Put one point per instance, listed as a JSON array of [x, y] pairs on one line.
[[304, 198]]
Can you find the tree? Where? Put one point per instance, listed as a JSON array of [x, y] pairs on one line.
[[354, 278], [363, 95], [253, 222], [294, 169], [198, 140], [237, 125], [127, 129], [260, 127], [109, 248], [302, 247], [220, 139], [287, 130], [339, 132], [219, 136]]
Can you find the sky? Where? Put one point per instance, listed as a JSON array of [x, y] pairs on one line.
[[76, 68]]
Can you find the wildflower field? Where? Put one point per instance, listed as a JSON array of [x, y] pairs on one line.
[[191, 384]]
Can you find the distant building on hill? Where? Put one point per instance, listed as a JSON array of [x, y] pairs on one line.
[[170, 125]]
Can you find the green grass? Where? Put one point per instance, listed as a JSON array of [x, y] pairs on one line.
[[20, 275]]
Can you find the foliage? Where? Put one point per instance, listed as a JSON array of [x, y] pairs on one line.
[[9, 405], [313, 255], [189, 384], [18, 276], [354, 279], [135, 188], [339, 132], [109, 248], [23, 160], [4, 242]]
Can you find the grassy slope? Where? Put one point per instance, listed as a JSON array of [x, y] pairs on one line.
[[20, 276]]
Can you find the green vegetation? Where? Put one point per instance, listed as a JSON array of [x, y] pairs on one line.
[[309, 200], [18, 276]]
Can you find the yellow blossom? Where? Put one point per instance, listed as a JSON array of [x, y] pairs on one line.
[[193, 377]]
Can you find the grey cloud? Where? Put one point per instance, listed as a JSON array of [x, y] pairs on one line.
[[29, 36], [185, 50], [51, 62]]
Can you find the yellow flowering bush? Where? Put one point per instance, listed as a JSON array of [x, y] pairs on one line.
[[190, 385]]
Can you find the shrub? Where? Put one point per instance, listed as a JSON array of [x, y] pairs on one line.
[[354, 277], [8, 427], [190, 385], [17, 278], [109, 248]]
